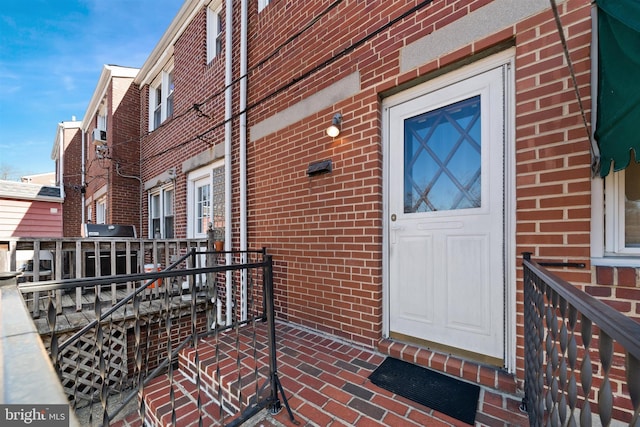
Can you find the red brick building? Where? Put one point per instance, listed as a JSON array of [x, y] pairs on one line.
[[462, 144], [67, 155], [109, 182]]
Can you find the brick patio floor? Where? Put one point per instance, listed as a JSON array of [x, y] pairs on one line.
[[326, 383]]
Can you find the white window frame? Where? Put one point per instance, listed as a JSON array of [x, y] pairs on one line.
[[215, 31], [262, 4], [163, 84], [196, 178], [89, 213], [169, 83], [101, 211], [608, 242], [166, 210], [101, 121]]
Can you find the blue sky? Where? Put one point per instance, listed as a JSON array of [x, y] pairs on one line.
[[51, 56]]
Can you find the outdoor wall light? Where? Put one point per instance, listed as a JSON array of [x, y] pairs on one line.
[[336, 126]]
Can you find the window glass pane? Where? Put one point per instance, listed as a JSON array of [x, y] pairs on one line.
[[442, 159], [170, 94], [155, 227], [220, 32], [101, 212], [168, 227], [203, 203], [155, 206], [632, 205], [168, 202]]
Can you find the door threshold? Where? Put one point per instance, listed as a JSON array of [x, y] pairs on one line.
[[454, 351], [412, 350]]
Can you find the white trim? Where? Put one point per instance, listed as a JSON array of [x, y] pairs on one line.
[[107, 74], [101, 210], [510, 205], [214, 12], [161, 193], [503, 59], [262, 4], [194, 176], [163, 51], [162, 82]]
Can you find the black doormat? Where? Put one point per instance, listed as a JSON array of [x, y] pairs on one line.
[[445, 394]]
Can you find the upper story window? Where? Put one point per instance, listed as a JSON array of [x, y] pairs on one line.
[[161, 99], [215, 31], [170, 87], [101, 211], [101, 121], [262, 4], [161, 213]]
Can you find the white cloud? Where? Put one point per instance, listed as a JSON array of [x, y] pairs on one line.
[[68, 82]]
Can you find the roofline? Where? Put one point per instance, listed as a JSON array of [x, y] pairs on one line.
[[56, 141], [163, 51], [12, 196], [108, 72]]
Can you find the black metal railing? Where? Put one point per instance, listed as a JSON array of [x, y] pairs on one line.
[[582, 357], [202, 301]]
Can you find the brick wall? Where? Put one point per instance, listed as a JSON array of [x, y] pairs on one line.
[[153, 342], [124, 200], [72, 216], [325, 232], [191, 130], [96, 169]]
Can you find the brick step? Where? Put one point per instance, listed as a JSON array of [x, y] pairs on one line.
[[157, 398], [228, 371], [232, 374]]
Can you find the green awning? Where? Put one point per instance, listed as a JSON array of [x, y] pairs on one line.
[[618, 117]]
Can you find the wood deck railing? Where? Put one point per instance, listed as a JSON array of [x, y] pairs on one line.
[[75, 258]]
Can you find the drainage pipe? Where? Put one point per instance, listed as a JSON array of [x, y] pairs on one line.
[[83, 180], [243, 152], [228, 128]]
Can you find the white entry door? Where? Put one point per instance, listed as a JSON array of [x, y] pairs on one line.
[[446, 222]]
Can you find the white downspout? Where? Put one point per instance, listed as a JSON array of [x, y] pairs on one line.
[[82, 179], [228, 128], [61, 157], [243, 151]]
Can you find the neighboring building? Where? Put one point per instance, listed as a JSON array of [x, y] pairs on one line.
[[67, 155], [462, 145], [48, 178], [30, 210], [110, 181], [183, 160]]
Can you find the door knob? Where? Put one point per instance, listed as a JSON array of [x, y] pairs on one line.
[[393, 217]]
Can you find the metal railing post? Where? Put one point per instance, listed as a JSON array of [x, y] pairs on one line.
[[274, 404]]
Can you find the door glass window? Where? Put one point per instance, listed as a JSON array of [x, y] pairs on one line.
[[442, 161]]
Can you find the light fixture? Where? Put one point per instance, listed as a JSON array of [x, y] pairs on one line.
[[336, 125]]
